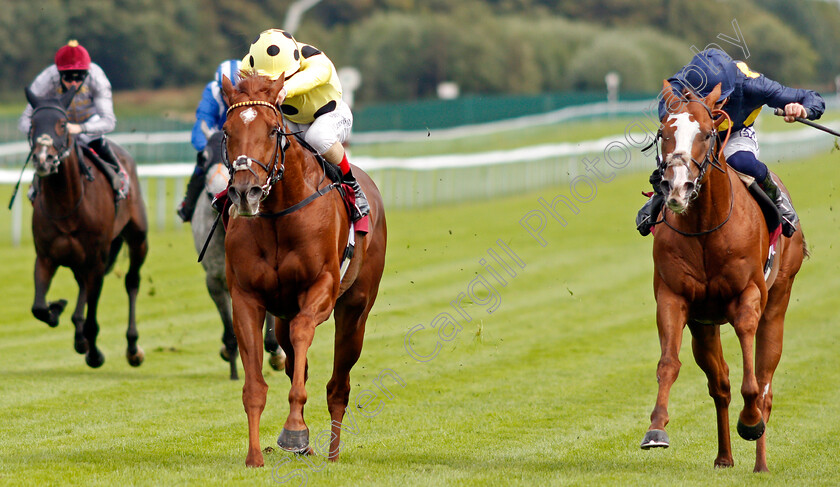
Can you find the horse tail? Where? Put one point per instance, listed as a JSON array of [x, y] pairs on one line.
[[805, 249], [116, 245]]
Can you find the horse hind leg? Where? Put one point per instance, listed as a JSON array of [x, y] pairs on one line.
[[94, 357], [768, 352], [48, 313], [137, 251], [708, 354], [79, 342], [277, 358], [744, 319], [349, 337], [217, 288]]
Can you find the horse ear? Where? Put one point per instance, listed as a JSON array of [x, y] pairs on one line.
[[713, 97], [31, 98], [276, 86], [227, 90]]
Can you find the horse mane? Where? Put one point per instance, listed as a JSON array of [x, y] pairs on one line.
[[251, 84]]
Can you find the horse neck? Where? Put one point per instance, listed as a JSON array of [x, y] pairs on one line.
[[713, 203], [63, 190]]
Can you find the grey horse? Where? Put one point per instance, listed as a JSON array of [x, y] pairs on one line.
[[216, 178]]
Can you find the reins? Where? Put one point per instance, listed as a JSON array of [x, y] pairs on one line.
[[274, 174]]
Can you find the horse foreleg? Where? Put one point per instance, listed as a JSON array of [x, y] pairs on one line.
[[744, 315], [768, 352], [94, 357], [708, 354], [316, 306], [44, 273], [248, 316], [136, 255], [671, 316], [349, 337]]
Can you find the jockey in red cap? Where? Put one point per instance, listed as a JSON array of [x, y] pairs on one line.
[[90, 114]]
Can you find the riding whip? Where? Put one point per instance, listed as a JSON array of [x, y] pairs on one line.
[[780, 112], [209, 236], [14, 193]]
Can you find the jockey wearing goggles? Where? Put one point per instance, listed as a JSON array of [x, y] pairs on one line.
[[212, 112], [743, 93], [310, 99], [90, 114]]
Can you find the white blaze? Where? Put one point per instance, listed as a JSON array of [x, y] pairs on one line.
[[248, 115], [686, 131]]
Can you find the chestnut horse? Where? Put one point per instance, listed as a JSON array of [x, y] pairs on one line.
[[286, 234], [709, 270], [76, 224], [213, 261]]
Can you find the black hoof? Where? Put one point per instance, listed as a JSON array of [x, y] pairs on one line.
[[655, 439], [751, 433], [94, 359], [134, 359], [80, 345], [294, 441], [225, 354]]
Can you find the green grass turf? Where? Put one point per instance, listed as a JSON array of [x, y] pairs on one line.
[[555, 387]]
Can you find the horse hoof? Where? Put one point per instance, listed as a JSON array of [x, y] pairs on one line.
[[94, 358], [294, 441], [277, 361], [56, 308], [751, 433], [80, 345], [223, 352], [655, 439], [135, 359]]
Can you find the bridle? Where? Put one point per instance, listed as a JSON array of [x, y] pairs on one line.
[[244, 162], [64, 149], [711, 159]]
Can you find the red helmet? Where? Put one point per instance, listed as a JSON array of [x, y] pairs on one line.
[[72, 56]]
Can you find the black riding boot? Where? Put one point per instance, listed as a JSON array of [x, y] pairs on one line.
[[647, 215], [194, 187], [783, 203], [119, 180], [362, 207]]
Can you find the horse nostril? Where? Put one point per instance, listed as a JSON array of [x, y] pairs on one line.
[[689, 187], [665, 186], [255, 192], [233, 194]]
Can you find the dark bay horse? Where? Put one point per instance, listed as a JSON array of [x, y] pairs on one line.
[[287, 231], [76, 224], [709, 258], [216, 179]]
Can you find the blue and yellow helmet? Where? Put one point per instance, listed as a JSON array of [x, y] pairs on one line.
[[706, 70]]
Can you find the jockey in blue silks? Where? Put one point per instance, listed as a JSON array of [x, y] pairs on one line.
[[743, 93], [212, 112]]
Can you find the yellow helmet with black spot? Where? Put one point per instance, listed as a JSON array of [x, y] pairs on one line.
[[273, 53]]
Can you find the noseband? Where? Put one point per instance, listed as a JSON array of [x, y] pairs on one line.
[[244, 162]]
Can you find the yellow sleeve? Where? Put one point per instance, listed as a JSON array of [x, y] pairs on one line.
[[315, 70]]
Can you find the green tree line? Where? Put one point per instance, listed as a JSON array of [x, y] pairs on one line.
[[405, 48]]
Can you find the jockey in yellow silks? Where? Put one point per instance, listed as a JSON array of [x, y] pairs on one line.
[[310, 99]]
